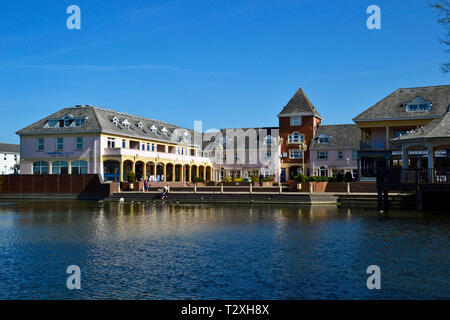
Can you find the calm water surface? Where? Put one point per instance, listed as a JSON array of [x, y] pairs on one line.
[[166, 251]]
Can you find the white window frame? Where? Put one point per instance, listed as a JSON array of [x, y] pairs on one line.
[[323, 138], [57, 143], [295, 121], [38, 144], [322, 158], [111, 143], [77, 148], [291, 140], [295, 154]]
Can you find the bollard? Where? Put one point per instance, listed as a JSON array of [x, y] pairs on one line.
[[221, 188], [251, 188], [195, 187], [168, 188], [311, 188], [281, 188], [348, 187]]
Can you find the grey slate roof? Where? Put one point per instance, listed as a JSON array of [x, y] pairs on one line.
[[299, 104], [100, 120], [342, 136], [9, 148], [438, 128], [212, 139], [392, 107]]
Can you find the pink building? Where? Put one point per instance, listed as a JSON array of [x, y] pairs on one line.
[[334, 150]]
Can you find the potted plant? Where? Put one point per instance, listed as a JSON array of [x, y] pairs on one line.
[[131, 178], [255, 180], [267, 182], [237, 181], [301, 178], [199, 181], [227, 180]]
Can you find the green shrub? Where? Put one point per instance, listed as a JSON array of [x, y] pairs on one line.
[[332, 179], [254, 178], [227, 179], [301, 178], [198, 179], [131, 177], [238, 180], [348, 177], [267, 179]]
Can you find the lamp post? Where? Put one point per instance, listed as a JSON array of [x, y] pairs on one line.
[[219, 149], [303, 147], [279, 142]]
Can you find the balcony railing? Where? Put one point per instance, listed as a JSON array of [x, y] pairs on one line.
[[153, 154], [372, 145], [413, 176]]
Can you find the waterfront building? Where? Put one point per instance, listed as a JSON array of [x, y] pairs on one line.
[[87, 139], [244, 152], [298, 122], [334, 150], [429, 146], [403, 110], [9, 158]]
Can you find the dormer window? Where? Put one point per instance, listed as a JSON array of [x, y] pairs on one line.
[[154, 129], [79, 122], [53, 123], [67, 122], [164, 131], [126, 123], [418, 105], [141, 125], [116, 121], [323, 138]]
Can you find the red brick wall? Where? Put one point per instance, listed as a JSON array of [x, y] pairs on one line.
[[307, 129], [79, 185]]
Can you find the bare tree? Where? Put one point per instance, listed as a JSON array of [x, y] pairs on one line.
[[442, 7]]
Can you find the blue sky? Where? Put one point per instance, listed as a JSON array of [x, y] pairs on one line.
[[227, 63]]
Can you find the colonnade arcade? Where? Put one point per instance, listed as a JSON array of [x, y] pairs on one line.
[[115, 170]]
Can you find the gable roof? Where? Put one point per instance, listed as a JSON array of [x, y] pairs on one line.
[[299, 105], [100, 120], [438, 128], [9, 148], [342, 136], [393, 107]]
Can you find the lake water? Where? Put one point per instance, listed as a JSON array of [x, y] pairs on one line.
[[175, 251]]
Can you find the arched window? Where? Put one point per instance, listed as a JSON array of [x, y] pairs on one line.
[[323, 138], [40, 167], [296, 138], [60, 167], [79, 167]]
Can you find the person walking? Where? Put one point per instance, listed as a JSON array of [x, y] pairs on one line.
[[145, 185]]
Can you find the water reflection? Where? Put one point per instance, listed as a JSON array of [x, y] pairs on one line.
[[166, 250]]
